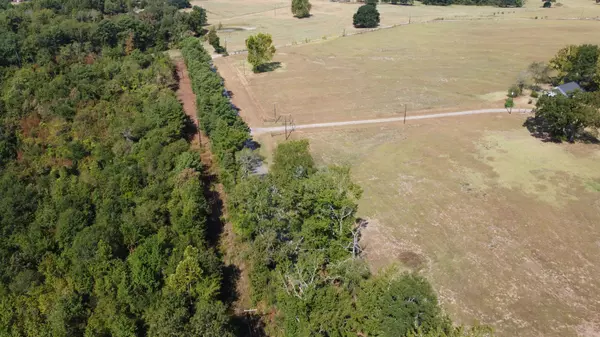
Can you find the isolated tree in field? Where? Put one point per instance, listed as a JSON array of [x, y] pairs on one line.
[[367, 16], [509, 104], [547, 4], [301, 8], [260, 50]]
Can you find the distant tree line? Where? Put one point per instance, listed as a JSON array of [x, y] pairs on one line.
[[300, 225], [34, 32], [498, 3], [398, 2]]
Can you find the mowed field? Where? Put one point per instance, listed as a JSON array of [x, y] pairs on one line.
[[333, 19], [506, 227], [430, 66]]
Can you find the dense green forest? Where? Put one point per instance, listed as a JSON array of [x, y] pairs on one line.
[[102, 214], [103, 217]]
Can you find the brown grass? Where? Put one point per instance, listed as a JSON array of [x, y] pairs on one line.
[[504, 225], [436, 66], [333, 19]]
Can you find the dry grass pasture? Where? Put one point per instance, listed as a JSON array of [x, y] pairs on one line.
[[431, 66], [333, 19], [505, 226]]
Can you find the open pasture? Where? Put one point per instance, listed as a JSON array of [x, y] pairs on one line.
[[434, 66], [504, 225], [333, 19]]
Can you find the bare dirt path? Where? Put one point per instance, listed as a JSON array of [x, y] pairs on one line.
[[236, 291], [259, 130], [187, 98]]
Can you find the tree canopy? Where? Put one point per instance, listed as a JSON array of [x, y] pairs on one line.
[[367, 16], [301, 8], [260, 50], [564, 118], [580, 64], [103, 225]]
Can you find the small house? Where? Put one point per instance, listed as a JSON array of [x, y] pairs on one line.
[[567, 88]]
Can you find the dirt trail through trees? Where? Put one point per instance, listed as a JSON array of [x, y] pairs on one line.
[[235, 288]]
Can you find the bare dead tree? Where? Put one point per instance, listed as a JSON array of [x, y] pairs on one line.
[[298, 280], [339, 215], [356, 234]]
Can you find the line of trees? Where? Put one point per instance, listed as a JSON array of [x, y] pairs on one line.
[[498, 3], [103, 218], [219, 119], [300, 225], [35, 32]]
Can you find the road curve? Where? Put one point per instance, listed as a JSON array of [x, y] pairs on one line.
[[257, 131]]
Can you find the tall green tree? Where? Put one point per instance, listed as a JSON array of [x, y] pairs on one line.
[[301, 8], [367, 16], [577, 63], [197, 19], [214, 41], [260, 50], [564, 118]]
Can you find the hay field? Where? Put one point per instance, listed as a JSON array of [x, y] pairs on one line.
[[505, 226], [332, 19], [433, 66]]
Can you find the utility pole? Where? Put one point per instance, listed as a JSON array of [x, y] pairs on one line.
[[404, 113]]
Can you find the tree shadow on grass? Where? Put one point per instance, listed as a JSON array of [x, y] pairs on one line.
[[540, 128], [268, 67]]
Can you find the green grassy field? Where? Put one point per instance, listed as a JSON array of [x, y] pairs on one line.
[[506, 226]]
